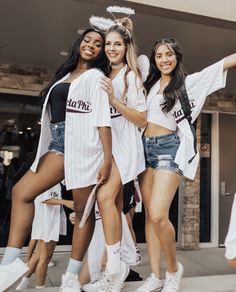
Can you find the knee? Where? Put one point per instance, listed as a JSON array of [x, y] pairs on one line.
[[104, 201], [157, 218], [44, 259], [79, 209]]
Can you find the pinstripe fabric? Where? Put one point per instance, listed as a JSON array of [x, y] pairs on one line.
[[49, 220], [87, 109], [198, 85], [127, 147]]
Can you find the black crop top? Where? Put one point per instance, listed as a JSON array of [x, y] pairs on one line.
[[57, 100]]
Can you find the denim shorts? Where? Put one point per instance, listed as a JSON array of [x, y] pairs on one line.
[[160, 152], [57, 143]]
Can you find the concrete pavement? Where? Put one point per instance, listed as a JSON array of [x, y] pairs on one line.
[[205, 270]]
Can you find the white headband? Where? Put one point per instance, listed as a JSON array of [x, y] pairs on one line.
[[125, 10], [100, 23]]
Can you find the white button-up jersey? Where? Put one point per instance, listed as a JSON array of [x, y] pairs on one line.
[[87, 109]]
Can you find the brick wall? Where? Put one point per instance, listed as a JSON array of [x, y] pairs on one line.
[[24, 77]]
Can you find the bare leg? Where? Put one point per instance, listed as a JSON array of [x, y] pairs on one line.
[[45, 255], [146, 180], [106, 198], [82, 236], [232, 262], [130, 224], [31, 249], [164, 188], [50, 172], [33, 261], [84, 276]]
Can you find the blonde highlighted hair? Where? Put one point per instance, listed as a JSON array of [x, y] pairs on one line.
[[124, 27]]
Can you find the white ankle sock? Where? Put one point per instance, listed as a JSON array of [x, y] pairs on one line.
[[113, 258], [10, 255], [24, 283], [40, 287], [74, 266]]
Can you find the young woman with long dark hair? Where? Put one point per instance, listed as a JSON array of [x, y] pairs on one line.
[[75, 144], [171, 154]]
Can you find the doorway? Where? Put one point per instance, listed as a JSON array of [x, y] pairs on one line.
[[227, 171]]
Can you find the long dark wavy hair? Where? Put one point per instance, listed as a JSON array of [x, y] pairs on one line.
[[72, 60], [171, 91]]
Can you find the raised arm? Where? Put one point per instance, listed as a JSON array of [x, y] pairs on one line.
[[230, 62]]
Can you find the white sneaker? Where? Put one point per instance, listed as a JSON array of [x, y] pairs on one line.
[[172, 281], [152, 283], [24, 283], [11, 273], [70, 283], [94, 285], [138, 257], [51, 264], [114, 282]]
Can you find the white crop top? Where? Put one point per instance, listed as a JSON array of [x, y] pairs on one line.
[[155, 114]]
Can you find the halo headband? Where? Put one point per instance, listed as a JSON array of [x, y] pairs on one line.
[[118, 9], [125, 10], [101, 23]]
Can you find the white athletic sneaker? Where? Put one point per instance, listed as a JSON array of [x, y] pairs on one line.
[[11, 273], [138, 257], [70, 283], [24, 283], [94, 285], [172, 281], [152, 283], [114, 282], [51, 264]]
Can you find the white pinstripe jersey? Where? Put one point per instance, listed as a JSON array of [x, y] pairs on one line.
[[49, 220], [198, 85], [127, 147], [87, 109]]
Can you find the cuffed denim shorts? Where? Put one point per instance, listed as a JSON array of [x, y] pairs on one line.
[[58, 137], [160, 152]]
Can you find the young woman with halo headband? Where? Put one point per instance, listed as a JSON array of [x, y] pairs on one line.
[[170, 154], [75, 143], [128, 113]]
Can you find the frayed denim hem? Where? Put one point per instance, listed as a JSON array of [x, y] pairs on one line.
[[56, 152], [173, 169]]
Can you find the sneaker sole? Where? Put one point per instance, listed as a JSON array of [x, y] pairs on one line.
[[18, 277], [155, 290]]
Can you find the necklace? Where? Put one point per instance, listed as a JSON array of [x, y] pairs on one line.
[[117, 66]]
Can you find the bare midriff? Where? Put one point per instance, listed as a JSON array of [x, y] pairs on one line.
[[156, 130]]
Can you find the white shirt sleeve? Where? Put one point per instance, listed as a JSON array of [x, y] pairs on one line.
[[135, 94], [102, 117], [201, 84]]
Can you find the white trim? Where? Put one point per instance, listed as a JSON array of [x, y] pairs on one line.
[[215, 154]]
